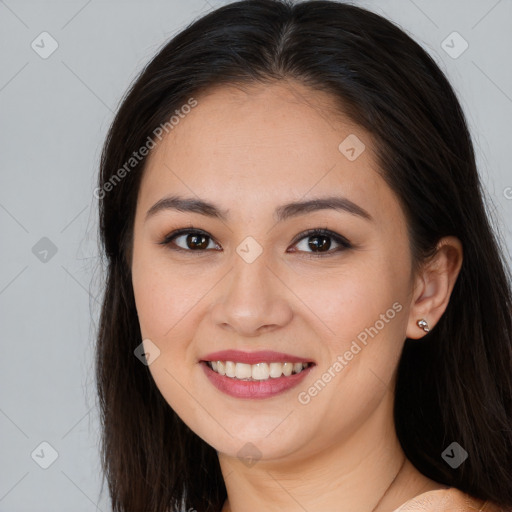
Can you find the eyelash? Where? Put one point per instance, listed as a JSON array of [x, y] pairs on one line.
[[342, 241]]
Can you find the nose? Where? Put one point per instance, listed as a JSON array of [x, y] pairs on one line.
[[252, 299]]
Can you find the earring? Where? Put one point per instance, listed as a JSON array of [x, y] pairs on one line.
[[423, 324]]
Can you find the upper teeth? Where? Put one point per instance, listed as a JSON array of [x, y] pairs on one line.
[[259, 371]]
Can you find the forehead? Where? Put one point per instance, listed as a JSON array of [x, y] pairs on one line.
[[263, 143]]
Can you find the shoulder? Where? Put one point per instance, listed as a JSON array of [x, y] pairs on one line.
[[448, 500]]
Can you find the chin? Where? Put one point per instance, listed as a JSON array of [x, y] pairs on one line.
[[259, 440]]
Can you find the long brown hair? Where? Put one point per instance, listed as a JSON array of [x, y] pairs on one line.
[[454, 386]]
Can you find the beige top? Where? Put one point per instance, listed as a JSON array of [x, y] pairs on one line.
[[448, 500]]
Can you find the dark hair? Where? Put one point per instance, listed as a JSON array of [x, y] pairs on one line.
[[454, 385]]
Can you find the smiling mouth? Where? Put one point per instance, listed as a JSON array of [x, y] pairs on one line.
[[256, 372]]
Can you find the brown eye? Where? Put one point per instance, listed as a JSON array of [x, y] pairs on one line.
[[319, 242], [190, 240], [194, 241]]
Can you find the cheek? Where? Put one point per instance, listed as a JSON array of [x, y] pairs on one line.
[[154, 302], [165, 301], [361, 317], [360, 312], [163, 294], [352, 298]]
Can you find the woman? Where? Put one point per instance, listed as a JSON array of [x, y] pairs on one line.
[[306, 307]]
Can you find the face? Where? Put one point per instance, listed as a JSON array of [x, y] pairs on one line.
[[249, 274]]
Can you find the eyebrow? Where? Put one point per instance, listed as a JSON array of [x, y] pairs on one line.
[[282, 213]]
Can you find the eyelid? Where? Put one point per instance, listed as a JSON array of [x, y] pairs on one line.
[[339, 239]]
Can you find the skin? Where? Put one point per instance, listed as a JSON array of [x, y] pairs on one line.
[[249, 151]]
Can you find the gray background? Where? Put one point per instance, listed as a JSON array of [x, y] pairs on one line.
[[55, 113]]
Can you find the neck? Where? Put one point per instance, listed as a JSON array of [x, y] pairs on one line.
[[365, 472]]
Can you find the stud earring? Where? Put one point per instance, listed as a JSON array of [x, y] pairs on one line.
[[423, 324]]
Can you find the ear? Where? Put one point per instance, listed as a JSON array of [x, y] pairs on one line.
[[434, 284]]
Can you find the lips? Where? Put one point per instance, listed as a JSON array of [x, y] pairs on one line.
[[245, 388]]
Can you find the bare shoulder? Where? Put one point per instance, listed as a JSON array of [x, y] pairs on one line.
[[448, 500]]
